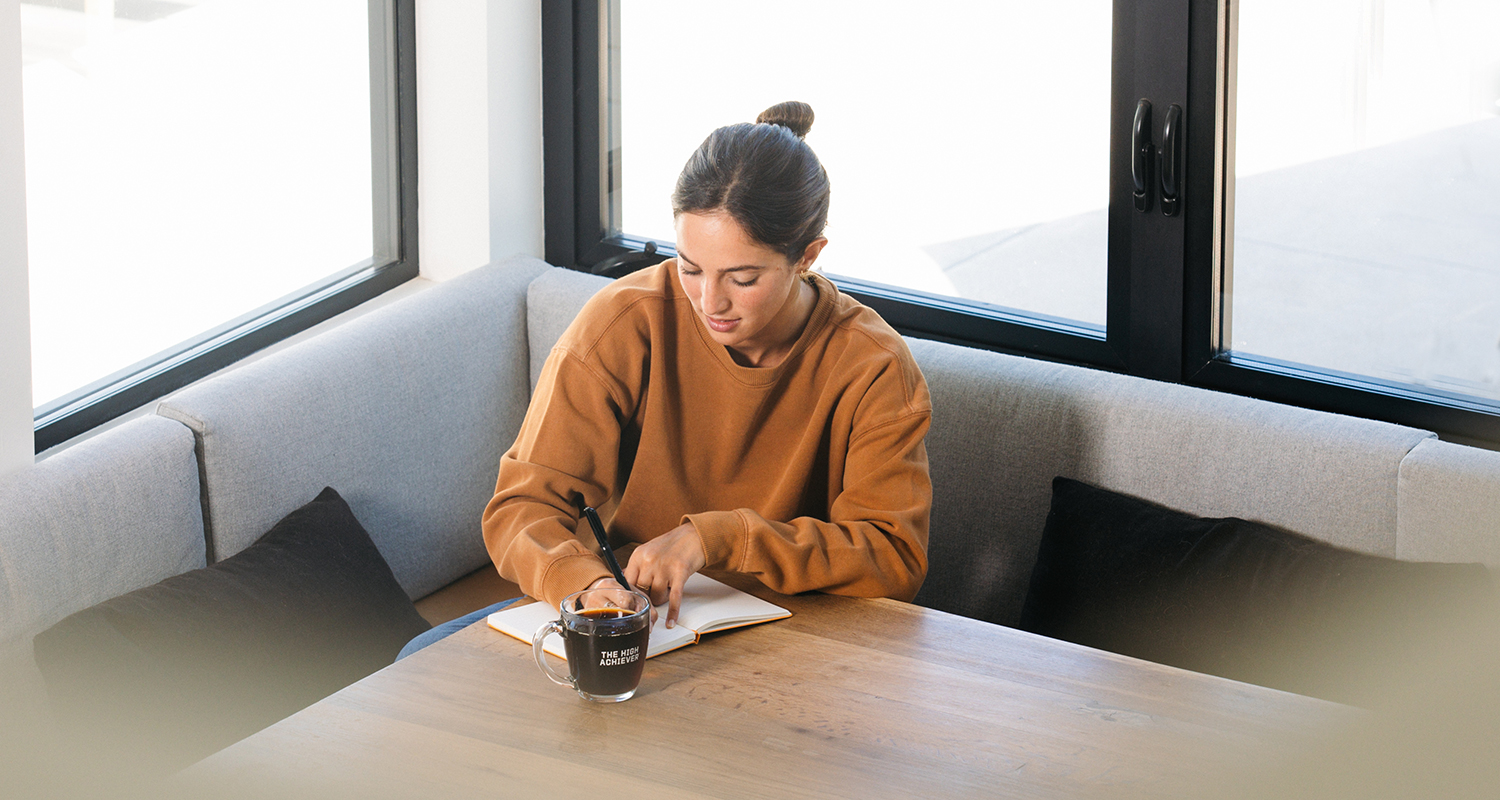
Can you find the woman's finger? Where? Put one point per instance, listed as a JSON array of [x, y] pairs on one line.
[[674, 602]]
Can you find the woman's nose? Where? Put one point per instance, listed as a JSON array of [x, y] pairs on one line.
[[714, 300]]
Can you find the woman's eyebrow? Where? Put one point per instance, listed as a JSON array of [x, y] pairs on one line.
[[742, 268]]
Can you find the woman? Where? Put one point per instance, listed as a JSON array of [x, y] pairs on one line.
[[726, 409]]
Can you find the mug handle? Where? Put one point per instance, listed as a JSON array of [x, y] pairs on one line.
[[555, 626]]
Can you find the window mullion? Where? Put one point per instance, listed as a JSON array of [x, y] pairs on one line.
[[1146, 274]]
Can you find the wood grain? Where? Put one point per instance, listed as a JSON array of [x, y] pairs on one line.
[[847, 698]]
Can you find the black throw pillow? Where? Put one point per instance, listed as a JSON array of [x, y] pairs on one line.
[[165, 675], [1240, 599]]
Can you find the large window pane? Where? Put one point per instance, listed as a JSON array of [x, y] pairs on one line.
[[967, 141], [1367, 203], [188, 162]]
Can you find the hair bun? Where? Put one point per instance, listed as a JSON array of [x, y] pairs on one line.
[[792, 114]]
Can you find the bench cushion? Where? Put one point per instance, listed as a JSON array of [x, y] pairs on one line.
[[405, 411]]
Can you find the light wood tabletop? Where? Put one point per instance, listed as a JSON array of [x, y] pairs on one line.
[[847, 698]]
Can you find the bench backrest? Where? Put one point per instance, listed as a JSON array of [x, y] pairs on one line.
[[404, 411], [1004, 426]]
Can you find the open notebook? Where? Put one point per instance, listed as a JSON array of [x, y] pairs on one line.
[[707, 606]]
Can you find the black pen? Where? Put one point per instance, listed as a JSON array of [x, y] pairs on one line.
[[609, 553]]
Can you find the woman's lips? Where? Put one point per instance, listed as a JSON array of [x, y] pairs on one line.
[[721, 325]]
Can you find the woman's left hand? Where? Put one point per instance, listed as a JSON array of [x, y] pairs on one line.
[[661, 566]]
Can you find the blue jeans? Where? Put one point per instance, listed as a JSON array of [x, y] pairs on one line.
[[451, 627]]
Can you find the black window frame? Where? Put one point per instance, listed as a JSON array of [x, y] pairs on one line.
[[1165, 273], [394, 166]]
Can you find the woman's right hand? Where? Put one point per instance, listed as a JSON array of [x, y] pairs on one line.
[[611, 583]]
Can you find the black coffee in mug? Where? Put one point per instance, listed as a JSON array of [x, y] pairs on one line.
[[605, 633], [606, 654]]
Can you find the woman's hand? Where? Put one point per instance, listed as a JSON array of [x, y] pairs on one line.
[[611, 583], [661, 566]]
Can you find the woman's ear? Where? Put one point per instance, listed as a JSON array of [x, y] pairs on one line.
[[811, 254]]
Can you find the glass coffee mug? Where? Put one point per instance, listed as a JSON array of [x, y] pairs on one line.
[[605, 633]]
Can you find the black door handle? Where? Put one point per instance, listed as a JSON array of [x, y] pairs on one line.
[[1141, 155], [1171, 162]]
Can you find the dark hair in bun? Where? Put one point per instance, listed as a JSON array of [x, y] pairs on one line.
[[791, 114], [764, 176]]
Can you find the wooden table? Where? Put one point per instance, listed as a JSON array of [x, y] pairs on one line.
[[847, 698]]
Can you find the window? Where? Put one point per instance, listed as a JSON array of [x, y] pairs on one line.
[[896, 129], [1367, 241], [1203, 276], [205, 177]]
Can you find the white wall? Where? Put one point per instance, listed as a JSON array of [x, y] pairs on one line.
[[479, 132], [16, 440], [515, 121], [479, 163]]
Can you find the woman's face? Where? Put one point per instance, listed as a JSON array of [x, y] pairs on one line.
[[747, 296]]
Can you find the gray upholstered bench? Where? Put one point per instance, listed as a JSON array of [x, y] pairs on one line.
[[406, 410]]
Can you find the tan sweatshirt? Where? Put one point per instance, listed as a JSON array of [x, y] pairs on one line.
[[808, 475]]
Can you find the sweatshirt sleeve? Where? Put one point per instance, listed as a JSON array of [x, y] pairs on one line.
[[568, 444], [873, 545]]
